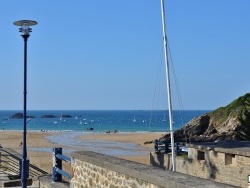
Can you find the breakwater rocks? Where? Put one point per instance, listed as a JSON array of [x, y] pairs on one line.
[[231, 122]]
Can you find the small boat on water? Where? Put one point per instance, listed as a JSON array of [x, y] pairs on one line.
[[164, 119], [134, 120]]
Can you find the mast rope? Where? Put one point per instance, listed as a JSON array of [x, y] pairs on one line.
[[156, 92], [177, 87]]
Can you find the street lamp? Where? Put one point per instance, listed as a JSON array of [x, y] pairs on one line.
[[25, 30]]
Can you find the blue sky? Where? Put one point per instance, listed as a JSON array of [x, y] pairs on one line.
[[105, 54]]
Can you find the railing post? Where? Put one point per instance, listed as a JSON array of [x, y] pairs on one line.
[[176, 148], [166, 146], [20, 168], [156, 144], [1, 147], [57, 164]]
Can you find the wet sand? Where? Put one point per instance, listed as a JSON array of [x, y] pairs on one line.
[[129, 146]]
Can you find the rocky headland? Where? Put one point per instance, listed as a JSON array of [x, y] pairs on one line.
[[228, 123]]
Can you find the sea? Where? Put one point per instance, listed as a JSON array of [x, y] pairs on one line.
[[98, 121]]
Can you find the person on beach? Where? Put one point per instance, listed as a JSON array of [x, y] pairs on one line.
[[21, 143]]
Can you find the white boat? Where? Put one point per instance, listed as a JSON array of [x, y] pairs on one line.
[[55, 122], [164, 119], [134, 120]]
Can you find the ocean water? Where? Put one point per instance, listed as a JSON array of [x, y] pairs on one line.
[[100, 121]]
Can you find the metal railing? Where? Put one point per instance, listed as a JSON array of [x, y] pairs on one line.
[[161, 146], [165, 147], [57, 165], [11, 161]]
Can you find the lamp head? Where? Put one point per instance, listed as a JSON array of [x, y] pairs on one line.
[[25, 26]]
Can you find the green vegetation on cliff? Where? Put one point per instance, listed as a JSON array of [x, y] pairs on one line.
[[239, 108], [239, 111]]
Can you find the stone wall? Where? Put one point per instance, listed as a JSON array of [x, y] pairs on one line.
[[208, 163], [90, 169]]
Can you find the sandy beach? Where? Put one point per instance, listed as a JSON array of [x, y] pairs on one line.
[[129, 146]]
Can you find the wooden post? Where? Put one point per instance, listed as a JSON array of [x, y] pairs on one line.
[[57, 164]]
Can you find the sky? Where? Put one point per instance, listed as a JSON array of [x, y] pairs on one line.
[[108, 55]]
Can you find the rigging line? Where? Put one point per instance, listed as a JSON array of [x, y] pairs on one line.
[[157, 85], [159, 88], [177, 88], [176, 80]]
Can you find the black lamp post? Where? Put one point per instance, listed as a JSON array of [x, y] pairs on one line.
[[25, 30]]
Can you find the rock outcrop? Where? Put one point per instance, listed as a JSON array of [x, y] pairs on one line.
[[48, 116], [53, 116], [17, 116], [66, 116], [226, 123], [20, 116]]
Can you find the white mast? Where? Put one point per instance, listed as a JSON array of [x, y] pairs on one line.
[[168, 85]]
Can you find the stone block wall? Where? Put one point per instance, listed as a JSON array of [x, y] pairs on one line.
[[90, 175], [222, 167], [90, 169]]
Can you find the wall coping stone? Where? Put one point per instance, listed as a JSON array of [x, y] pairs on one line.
[[232, 147], [143, 172]]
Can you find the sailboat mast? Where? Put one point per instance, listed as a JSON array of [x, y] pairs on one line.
[[168, 85]]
